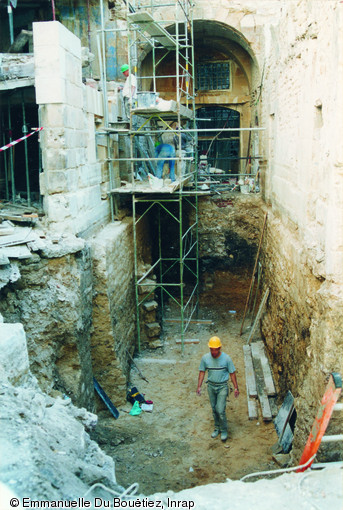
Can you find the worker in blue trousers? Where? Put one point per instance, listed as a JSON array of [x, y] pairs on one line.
[[165, 150]]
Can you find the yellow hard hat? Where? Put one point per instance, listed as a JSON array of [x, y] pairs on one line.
[[214, 342]]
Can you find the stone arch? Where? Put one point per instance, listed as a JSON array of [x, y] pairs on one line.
[[214, 41]]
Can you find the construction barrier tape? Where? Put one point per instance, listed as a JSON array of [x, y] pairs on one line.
[[19, 139]]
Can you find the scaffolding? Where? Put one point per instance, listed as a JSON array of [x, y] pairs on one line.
[[176, 264]]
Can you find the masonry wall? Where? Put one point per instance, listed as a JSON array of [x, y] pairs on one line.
[[73, 180], [301, 107], [303, 248], [114, 305]]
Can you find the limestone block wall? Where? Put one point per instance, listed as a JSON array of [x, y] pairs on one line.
[[301, 108], [72, 181], [301, 104]]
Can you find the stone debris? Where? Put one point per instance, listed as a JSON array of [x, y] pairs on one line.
[[49, 454]]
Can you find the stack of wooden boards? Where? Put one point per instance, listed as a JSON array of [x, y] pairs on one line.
[[259, 382]]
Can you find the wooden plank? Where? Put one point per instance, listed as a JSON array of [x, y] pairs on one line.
[[249, 372], [253, 273], [149, 25], [187, 341], [284, 414], [252, 404], [265, 407], [22, 235], [273, 406], [20, 41], [199, 321], [259, 313], [258, 352], [16, 252]]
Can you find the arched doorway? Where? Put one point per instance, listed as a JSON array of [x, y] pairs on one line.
[[226, 76], [223, 148]]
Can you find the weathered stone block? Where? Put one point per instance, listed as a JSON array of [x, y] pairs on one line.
[[153, 329], [14, 359], [50, 89], [52, 33], [146, 286], [73, 94], [54, 159], [50, 61], [93, 101], [155, 344], [150, 305]]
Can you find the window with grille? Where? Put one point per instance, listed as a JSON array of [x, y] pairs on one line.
[[213, 76], [222, 148]]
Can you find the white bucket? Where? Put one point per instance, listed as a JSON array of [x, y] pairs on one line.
[[245, 189]]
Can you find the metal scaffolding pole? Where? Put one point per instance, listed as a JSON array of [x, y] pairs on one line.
[[173, 206], [11, 152], [25, 131]]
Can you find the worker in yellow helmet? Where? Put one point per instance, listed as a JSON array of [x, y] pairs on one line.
[[219, 366]]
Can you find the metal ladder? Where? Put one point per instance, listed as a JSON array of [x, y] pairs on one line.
[[321, 421]]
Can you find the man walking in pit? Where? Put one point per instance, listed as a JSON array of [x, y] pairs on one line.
[[219, 366]]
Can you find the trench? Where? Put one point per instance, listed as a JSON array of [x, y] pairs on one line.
[[63, 303], [170, 448]]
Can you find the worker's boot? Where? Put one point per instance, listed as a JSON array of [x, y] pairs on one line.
[[215, 433], [223, 436]]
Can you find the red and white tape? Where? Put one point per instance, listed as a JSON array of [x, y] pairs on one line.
[[19, 139]]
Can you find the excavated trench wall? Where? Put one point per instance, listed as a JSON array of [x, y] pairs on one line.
[[76, 302], [301, 328], [52, 299], [301, 104], [229, 230]]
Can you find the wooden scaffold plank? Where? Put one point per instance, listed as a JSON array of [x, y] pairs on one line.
[[249, 372], [258, 352]]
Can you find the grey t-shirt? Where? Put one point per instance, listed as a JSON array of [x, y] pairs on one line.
[[218, 368]]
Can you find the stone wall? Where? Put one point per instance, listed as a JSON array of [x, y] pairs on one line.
[[114, 305], [300, 109], [52, 299], [72, 179]]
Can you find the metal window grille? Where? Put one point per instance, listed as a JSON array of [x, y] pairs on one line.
[[213, 76], [222, 149]]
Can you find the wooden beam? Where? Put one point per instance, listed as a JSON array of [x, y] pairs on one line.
[[258, 352], [200, 321], [265, 407], [187, 341], [249, 372], [259, 313], [254, 271]]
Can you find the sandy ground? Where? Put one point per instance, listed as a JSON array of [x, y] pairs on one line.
[[171, 448]]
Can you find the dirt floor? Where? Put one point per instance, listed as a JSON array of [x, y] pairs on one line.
[[171, 448]]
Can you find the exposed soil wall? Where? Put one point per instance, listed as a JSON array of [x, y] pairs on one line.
[[229, 231], [52, 300]]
